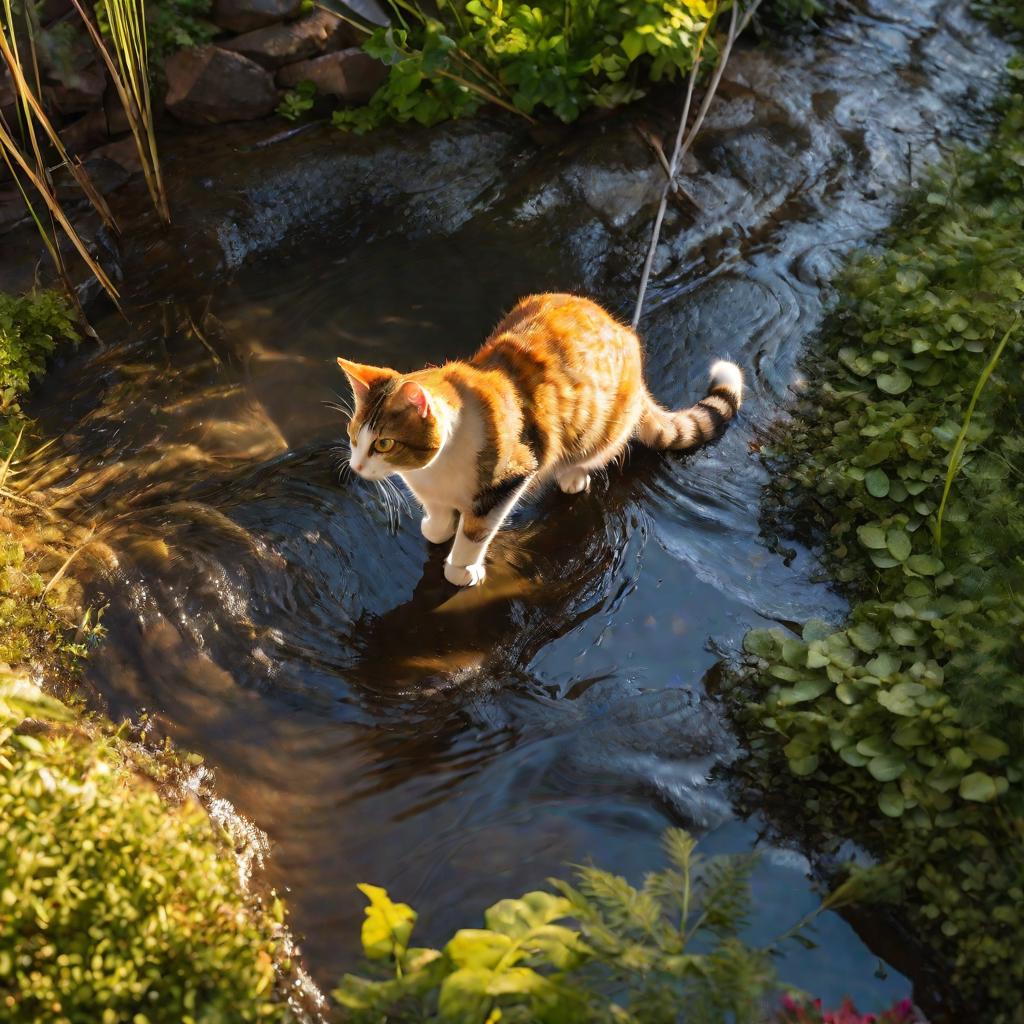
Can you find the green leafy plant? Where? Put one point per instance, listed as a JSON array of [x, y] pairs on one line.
[[559, 57], [116, 907], [599, 950], [902, 727], [170, 25], [297, 101], [31, 326]]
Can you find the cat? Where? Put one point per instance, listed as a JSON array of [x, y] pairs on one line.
[[557, 391]]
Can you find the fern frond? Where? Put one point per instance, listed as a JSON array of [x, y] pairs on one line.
[[724, 893], [679, 847], [622, 906]]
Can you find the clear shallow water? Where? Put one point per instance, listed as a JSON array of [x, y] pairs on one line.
[[459, 747]]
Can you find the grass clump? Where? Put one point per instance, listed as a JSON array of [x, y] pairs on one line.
[[116, 907], [171, 25], [905, 729]]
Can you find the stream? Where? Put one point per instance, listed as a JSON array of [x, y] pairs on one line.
[[460, 747]]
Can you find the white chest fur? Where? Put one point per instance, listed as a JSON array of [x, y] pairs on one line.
[[450, 481]]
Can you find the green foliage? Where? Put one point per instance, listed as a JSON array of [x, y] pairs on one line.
[[903, 727], [597, 951], [559, 56], [1006, 15], [115, 907], [30, 328], [789, 14], [33, 619], [298, 101], [171, 25]]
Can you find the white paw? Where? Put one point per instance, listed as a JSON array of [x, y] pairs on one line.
[[573, 480], [465, 575], [438, 529]]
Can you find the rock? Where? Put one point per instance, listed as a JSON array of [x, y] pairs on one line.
[[88, 131], [246, 15], [208, 85], [274, 47], [50, 10], [124, 153], [351, 74], [368, 10], [117, 119], [78, 91]]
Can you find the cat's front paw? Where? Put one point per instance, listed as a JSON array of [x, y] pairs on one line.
[[465, 575], [438, 528]]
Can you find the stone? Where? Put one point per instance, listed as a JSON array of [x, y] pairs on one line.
[[88, 131], [78, 90], [274, 47], [124, 153], [51, 10], [351, 75], [369, 10], [208, 85], [247, 15]]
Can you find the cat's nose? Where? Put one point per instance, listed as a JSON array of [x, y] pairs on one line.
[[357, 466]]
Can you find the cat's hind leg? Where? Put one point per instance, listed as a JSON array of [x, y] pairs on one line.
[[574, 477]]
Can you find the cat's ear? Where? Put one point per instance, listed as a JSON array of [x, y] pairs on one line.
[[417, 397], [362, 377]]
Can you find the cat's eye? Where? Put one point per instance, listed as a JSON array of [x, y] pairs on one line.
[[383, 444]]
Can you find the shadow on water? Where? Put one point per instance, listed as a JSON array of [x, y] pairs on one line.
[[459, 747]]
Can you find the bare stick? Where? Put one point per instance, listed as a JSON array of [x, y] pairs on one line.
[[685, 141]]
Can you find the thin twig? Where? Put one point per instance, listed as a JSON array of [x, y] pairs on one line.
[[67, 561], [682, 146], [6, 468]]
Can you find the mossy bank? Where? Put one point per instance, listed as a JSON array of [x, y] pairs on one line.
[[905, 460], [116, 903]]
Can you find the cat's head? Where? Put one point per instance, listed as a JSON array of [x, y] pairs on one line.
[[396, 425]]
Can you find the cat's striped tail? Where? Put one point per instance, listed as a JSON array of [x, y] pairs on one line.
[[681, 429]]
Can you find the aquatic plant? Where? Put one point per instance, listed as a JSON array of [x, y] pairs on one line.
[[903, 727], [23, 152], [561, 57], [126, 23], [601, 950], [298, 101], [116, 905]]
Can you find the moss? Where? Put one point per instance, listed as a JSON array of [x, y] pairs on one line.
[[115, 906], [903, 730]]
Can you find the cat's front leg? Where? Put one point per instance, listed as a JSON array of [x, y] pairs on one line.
[[465, 565], [438, 523]]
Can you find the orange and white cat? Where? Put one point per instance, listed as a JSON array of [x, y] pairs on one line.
[[557, 391]]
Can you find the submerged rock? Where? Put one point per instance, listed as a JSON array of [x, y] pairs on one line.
[[351, 74], [246, 15], [279, 45], [208, 85]]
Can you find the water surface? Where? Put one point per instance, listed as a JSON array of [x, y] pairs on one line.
[[459, 747]]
